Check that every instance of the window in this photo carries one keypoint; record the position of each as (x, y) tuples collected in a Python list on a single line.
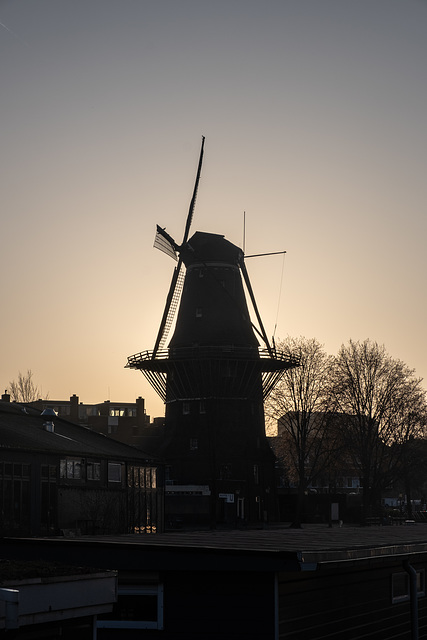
[(185, 408), (202, 407), (137, 607), (93, 471), (194, 444), (71, 468), (256, 474), (400, 586), (114, 472), (144, 477), (15, 498), (240, 508), (199, 312), (168, 478), (48, 499), (117, 412), (225, 471)]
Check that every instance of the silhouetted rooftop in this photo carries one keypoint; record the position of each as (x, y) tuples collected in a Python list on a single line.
[(23, 428)]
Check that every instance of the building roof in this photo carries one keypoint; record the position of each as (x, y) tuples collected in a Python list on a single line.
[(270, 549), (23, 428), (313, 542)]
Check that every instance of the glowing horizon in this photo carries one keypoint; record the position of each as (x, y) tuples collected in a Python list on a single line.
[(315, 125)]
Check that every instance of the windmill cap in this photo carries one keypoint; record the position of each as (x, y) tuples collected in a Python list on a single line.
[(210, 247)]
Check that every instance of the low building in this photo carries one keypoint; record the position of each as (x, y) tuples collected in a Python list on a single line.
[(265, 584), (59, 476)]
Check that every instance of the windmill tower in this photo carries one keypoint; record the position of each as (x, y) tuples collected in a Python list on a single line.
[(213, 377)]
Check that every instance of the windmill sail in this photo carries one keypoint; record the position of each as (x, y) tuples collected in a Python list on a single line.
[(193, 199), (169, 246), (165, 243), (172, 307)]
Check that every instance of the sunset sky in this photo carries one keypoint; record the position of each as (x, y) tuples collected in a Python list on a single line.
[(315, 117)]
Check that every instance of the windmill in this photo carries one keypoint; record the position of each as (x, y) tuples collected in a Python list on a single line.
[(214, 376)]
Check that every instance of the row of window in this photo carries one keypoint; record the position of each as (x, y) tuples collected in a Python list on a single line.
[(80, 469), (14, 470), (347, 482), (186, 407), (65, 410), (225, 473)]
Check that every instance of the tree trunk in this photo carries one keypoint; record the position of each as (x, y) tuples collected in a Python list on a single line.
[(297, 522)]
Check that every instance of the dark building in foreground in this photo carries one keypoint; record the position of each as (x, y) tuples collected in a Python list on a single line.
[(268, 584), (56, 475)]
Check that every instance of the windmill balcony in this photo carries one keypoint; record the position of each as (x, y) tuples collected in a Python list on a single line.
[(223, 371)]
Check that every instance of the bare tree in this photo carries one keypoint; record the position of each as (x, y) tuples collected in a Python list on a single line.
[(383, 406), (24, 389), (301, 404)]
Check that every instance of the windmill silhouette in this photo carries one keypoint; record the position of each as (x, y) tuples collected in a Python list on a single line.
[(214, 376)]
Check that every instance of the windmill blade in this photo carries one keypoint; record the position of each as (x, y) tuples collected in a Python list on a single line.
[(193, 199), (168, 307), (255, 306), (169, 244), (173, 307), (164, 242)]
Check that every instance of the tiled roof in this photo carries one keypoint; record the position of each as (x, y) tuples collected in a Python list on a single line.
[(22, 428)]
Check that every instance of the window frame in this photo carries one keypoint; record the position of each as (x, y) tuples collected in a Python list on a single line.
[(135, 590), (405, 597), (115, 465)]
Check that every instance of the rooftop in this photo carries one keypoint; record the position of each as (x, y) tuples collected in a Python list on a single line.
[(23, 428), (311, 544), (278, 548)]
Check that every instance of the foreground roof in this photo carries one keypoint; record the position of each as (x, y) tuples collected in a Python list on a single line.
[(270, 549), (315, 543)]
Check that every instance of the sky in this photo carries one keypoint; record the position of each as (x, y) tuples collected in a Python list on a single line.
[(314, 113)]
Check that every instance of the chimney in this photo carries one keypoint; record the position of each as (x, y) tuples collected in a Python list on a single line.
[(74, 407), (140, 411), (5, 396)]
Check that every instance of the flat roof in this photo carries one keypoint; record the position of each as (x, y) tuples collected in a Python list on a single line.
[(278, 548)]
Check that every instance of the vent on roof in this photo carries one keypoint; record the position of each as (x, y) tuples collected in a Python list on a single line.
[(49, 414)]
